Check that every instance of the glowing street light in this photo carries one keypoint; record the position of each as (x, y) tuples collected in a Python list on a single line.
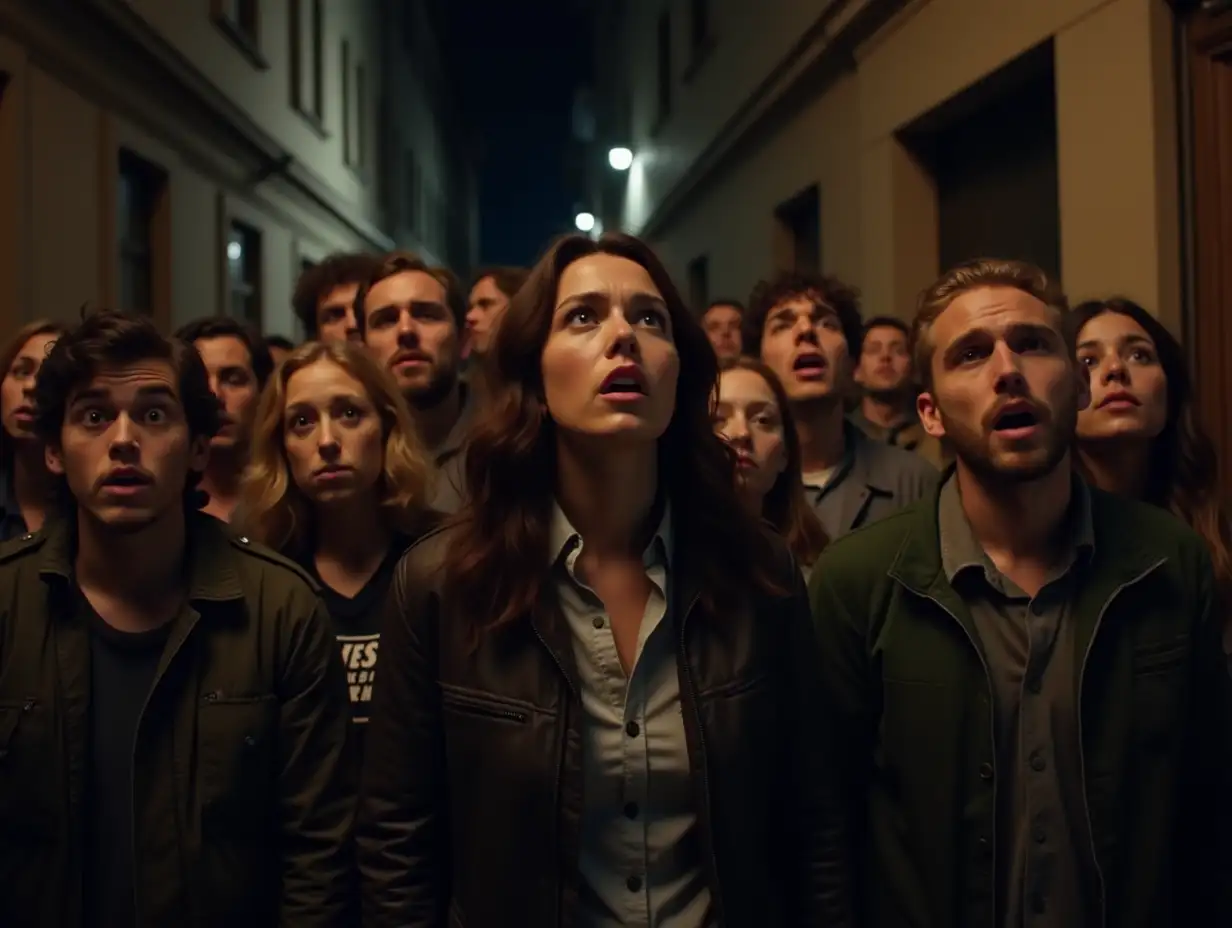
[(621, 159), (584, 221)]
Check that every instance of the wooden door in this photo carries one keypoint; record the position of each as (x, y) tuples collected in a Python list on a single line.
[(1210, 61)]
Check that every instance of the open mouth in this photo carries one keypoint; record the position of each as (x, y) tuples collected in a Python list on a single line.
[(127, 480), (810, 363), (1013, 420), (623, 385)]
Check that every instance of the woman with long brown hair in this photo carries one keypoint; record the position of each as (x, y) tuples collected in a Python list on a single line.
[(597, 702), (754, 418), (337, 480), (1140, 436), (25, 483)]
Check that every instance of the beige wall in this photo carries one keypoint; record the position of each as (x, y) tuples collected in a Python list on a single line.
[(1116, 151), (62, 126)]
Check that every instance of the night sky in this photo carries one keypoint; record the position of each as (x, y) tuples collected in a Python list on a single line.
[(516, 66)]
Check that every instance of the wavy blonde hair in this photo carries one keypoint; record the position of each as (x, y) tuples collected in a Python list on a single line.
[(274, 510)]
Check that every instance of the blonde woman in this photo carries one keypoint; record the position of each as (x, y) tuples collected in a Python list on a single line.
[(337, 480)]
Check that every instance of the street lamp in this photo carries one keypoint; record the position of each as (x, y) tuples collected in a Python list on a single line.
[(584, 221), (621, 159)]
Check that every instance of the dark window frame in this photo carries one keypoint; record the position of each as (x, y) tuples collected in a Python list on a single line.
[(244, 287), (240, 22)]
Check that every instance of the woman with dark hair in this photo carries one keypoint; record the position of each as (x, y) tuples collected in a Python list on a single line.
[(26, 486), (1141, 436), (754, 417), (597, 702)]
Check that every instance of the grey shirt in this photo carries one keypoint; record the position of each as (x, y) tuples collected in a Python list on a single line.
[(872, 481), (1045, 864), (641, 854), (449, 486)]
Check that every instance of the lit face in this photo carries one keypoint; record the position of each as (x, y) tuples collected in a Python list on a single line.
[(749, 419), (336, 315), (885, 364), (1129, 389), (1005, 391), (17, 388), (486, 305), (610, 363), (803, 343), (722, 325), (409, 329), (233, 381), (125, 448), (333, 437)]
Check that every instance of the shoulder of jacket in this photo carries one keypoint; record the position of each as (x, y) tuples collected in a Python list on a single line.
[(270, 559), (871, 547), (22, 546)]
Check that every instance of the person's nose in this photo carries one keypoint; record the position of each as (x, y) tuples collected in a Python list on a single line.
[(408, 331), (1005, 363), (623, 335), (123, 445), (1114, 371)]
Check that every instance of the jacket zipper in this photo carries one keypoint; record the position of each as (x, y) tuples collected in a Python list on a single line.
[(1082, 754), (475, 708), (564, 730), (992, 736), (132, 780), (701, 743)]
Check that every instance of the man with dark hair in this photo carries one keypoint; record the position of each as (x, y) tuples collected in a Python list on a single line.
[(278, 347), (490, 294), (887, 405), (807, 328), (722, 321), (324, 298), (173, 709), (411, 316), (238, 365), (1024, 677)]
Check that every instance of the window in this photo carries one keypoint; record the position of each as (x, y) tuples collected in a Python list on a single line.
[(797, 241), (140, 207), (244, 273), (665, 65), (239, 21), (699, 283), (307, 66), (699, 25)]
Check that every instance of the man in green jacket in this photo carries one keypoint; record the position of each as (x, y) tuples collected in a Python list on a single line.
[(173, 708), (1028, 690)]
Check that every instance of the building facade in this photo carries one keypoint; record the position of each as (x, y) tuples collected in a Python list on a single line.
[(190, 158), (883, 140)]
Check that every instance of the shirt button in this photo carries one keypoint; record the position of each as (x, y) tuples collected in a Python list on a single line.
[(597, 621), (632, 729), (630, 810), (634, 883), (1038, 763), (985, 771)]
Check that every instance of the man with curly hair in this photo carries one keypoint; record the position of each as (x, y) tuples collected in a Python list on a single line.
[(807, 329)]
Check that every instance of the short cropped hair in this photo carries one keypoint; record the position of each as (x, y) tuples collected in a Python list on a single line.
[(226, 327), (789, 285), (963, 278), (403, 262), (508, 280), (337, 270)]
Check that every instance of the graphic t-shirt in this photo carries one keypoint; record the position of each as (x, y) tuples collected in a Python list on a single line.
[(357, 623)]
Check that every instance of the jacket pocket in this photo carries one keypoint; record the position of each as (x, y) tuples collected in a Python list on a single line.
[(237, 741), (27, 771), (467, 702), (1160, 670)]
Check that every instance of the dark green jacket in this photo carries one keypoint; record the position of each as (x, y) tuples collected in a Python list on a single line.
[(914, 725), (243, 788)]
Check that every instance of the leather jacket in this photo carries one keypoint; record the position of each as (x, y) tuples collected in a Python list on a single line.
[(471, 799)]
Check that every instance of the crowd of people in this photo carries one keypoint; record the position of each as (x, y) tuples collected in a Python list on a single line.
[(559, 602)]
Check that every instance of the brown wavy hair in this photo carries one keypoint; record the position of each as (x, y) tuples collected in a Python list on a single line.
[(496, 568), (8, 354), (1183, 476), (274, 510), (786, 507)]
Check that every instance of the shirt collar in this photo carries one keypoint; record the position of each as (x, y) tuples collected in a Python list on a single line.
[(563, 538), (960, 548)]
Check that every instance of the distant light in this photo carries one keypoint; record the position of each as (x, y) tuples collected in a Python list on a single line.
[(235, 251), (584, 221), (621, 159)]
